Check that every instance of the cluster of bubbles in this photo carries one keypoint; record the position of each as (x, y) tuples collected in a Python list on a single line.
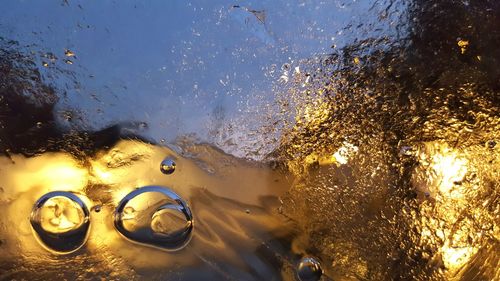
[(153, 216)]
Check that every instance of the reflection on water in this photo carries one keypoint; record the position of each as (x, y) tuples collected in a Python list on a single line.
[(61, 221), (385, 164), (154, 216), (236, 234), (167, 166), (309, 269)]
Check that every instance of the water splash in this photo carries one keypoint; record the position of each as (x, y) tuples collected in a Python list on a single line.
[(60, 221), (155, 216)]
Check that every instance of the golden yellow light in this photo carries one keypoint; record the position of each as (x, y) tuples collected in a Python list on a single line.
[(42, 174), (60, 214), (455, 258), (463, 44), (442, 173), (449, 169)]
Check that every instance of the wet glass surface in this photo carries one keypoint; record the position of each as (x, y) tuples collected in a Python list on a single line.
[(250, 140)]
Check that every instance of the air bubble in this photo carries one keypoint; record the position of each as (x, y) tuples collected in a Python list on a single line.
[(69, 53), (60, 221), (155, 216), (309, 269), (96, 208), (167, 166), (491, 144), (406, 151), (285, 67)]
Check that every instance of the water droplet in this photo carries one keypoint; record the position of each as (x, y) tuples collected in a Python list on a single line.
[(143, 125), (167, 166), (155, 216), (309, 269), (406, 151), (96, 208), (69, 53), (60, 221), (128, 210), (67, 115), (491, 144)]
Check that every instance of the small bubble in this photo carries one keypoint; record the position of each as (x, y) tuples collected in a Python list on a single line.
[(69, 53), (67, 115), (143, 125), (406, 151), (491, 144), (285, 67), (309, 269), (247, 211), (165, 222), (39, 124), (68, 62), (60, 221), (97, 208), (167, 166), (128, 210)]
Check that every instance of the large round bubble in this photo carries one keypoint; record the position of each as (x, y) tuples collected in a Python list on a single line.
[(60, 221), (154, 216)]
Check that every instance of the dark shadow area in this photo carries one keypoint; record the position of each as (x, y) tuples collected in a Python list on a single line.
[(27, 118)]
